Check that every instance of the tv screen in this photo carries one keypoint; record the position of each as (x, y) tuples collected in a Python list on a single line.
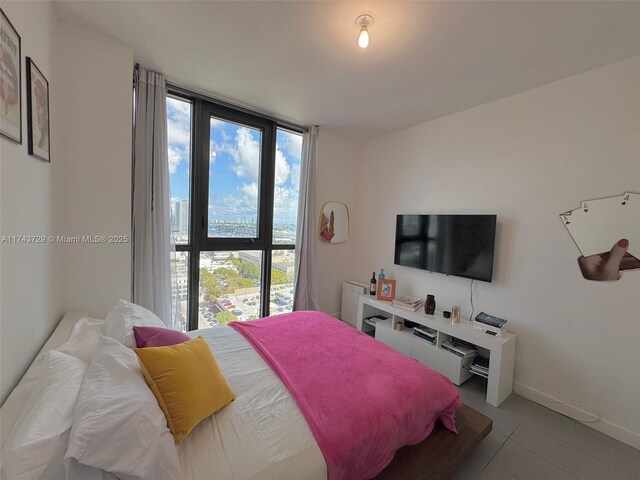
[(460, 245)]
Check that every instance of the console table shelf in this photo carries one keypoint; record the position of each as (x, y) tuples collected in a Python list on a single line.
[(499, 350)]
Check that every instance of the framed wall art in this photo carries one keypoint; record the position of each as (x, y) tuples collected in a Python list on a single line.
[(386, 290), (10, 81), (38, 113), (334, 222)]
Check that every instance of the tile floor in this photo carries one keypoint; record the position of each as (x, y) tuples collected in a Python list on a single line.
[(532, 442)]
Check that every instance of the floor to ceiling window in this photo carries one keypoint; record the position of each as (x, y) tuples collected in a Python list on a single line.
[(234, 180)]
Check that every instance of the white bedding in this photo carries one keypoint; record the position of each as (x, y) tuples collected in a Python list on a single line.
[(16, 400), (261, 434)]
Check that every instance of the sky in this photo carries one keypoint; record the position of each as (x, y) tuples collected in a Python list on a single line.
[(234, 164)]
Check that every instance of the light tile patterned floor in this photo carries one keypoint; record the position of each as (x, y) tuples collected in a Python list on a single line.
[(532, 442)]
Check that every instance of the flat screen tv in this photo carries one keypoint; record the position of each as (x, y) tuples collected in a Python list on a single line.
[(460, 245)]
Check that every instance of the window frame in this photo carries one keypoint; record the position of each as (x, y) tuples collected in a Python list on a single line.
[(202, 109), (266, 176)]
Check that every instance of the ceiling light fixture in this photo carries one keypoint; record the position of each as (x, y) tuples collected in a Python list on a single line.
[(364, 21)]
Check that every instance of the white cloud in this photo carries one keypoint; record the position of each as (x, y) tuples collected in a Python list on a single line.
[(179, 110), (175, 157), (250, 190), (243, 204), (282, 168), (215, 123), (213, 152), (247, 154), (285, 204), (295, 174), (178, 132), (244, 152), (292, 144)]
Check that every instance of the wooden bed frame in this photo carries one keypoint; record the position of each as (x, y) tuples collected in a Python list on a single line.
[(437, 457)]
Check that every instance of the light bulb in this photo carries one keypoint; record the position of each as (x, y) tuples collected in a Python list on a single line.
[(363, 38)]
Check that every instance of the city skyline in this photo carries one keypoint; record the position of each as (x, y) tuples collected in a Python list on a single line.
[(180, 212)]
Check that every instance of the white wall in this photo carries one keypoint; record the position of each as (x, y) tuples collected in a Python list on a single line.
[(85, 190), (93, 167), (336, 176), (526, 158), (30, 286)]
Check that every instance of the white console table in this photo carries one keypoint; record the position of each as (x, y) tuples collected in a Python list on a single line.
[(500, 351)]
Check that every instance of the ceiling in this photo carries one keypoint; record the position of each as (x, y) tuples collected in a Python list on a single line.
[(300, 60)]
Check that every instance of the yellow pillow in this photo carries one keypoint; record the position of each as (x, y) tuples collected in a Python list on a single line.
[(187, 383)]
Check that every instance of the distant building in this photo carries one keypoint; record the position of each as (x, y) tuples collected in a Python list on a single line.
[(179, 280), (179, 216), (283, 260)]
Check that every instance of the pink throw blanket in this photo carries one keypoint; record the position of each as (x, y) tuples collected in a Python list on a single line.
[(361, 399)]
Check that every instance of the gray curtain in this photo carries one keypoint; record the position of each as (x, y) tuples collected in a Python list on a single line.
[(306, 290), (151, 211)]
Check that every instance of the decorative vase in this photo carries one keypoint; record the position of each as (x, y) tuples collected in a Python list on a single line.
[(455, 315), (430, 305)]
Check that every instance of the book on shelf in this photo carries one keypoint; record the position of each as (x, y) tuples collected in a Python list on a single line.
[(477, 371), (480, 371), (462, 343), (490, 320), (424, 337), (407, 302), (481, 363), (426, 330), (480, 366), (376, 318), (459, 349), (410, 308), (426, 333)]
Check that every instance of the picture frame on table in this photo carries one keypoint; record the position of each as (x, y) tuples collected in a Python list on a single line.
[(10, 81), (386, 290), (39, 141)]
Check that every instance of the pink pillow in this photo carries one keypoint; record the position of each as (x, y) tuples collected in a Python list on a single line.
[(158, 337)]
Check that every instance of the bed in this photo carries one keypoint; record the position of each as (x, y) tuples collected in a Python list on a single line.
[(264, 434)]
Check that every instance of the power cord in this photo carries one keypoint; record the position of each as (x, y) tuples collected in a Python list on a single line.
[(580, 406), (472, 307)]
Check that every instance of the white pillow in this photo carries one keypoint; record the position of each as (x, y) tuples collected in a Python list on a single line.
[(123, 317), (118, 425), (36, 445), (81, 343), (83, 340)]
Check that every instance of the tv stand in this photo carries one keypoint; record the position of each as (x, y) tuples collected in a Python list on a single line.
[(500, 351)]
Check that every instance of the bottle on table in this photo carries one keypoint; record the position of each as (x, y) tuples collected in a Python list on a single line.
[(381, 276), (372, 284)]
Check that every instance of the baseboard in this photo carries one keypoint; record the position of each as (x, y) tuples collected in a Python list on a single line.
[(576, 413)]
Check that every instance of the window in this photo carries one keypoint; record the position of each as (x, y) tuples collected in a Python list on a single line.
[(179, 113), (234, 211)]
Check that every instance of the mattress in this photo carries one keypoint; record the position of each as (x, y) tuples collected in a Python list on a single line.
[(262, 434)]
